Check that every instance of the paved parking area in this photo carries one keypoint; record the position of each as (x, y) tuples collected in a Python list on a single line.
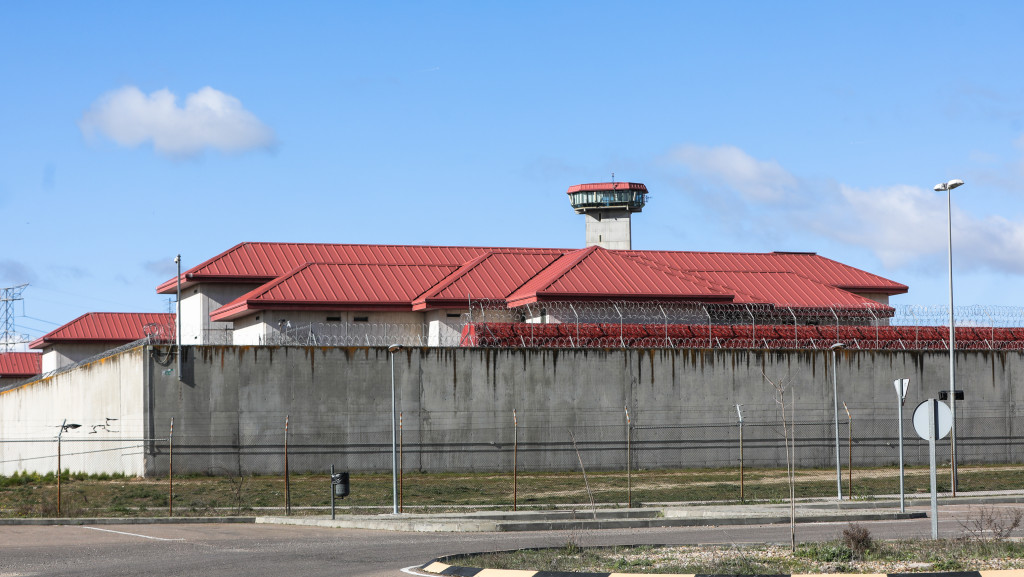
[(271, 550)]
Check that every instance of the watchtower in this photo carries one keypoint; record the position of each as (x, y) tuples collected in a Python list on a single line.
[(607, 207)]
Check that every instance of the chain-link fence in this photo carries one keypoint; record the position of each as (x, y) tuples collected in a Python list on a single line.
[(510, 465)]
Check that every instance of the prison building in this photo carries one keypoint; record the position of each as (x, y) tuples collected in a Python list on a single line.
[(255, 290), (94, 333)]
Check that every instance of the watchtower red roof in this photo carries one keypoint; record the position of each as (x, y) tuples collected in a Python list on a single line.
[(597, 186), (20, 364)]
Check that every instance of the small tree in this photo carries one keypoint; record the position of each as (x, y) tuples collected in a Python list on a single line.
[(789, 439)]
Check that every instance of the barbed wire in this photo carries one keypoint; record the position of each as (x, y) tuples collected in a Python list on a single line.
[(108, 353), (640, 312), (648, 324), (356, 334)]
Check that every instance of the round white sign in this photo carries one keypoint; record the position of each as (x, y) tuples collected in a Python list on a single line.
[(943, 419)]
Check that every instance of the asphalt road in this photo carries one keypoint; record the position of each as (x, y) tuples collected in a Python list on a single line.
[(275, 550)]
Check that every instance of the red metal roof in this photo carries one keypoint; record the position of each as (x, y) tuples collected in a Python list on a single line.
[(598, 186), (522, 274), (260, 262), (785, 289), (808, 265), (107, 327), (20, 364), (334, 286), (490, 276), (597, 273)]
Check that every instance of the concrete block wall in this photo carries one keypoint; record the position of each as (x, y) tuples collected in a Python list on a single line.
[(230, 404), (457, 406)]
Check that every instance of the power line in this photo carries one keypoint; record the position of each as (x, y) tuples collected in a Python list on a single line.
[(40, 320)]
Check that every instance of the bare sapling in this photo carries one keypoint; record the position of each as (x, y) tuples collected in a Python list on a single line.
[(788, 436)]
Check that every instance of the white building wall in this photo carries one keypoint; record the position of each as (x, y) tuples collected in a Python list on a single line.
[(104, 397), (327, 328), (445, 327), (197, 302), (60, 355)]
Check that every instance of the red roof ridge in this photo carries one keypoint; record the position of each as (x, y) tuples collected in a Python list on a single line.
[(663, 289), (295, 298), (692, 276), (865, 288), (187, 276), (420, 302), (556, 270)]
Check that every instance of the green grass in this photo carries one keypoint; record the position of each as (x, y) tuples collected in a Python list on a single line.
[(33, 494)]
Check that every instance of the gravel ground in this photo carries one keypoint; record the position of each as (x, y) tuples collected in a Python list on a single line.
[(652, 559)]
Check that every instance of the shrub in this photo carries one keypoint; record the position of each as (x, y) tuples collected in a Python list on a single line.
[(857, 539)]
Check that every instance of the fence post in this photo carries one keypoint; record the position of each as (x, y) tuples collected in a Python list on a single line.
[(796, 333), (515, 460), (401, 465), (287, 477), (740, 414), (849, 419), (577, 316), (170, 471), (753, 327), (668, 343), (622, 342), (58, 473), (710, 343), (629, 460)]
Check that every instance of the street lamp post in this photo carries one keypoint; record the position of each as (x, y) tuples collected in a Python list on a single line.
[(948, 188), (394, 432), (177, 317), (63, 427), (835, 400)]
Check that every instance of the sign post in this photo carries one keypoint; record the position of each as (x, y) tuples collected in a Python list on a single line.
[(901, 394), (933, 421)]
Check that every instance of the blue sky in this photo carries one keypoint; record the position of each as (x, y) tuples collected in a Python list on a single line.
[(132, 132)]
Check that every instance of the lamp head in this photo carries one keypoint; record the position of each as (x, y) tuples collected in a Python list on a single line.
[(945, 186), (837, 346), (394, 348)]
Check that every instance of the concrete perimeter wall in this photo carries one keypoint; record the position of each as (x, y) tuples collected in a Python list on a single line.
[(457, 404), (104, 397)]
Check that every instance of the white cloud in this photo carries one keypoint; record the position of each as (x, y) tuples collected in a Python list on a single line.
[(209, 119), (758, 180), (899, 224)]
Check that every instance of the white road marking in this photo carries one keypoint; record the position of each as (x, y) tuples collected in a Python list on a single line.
[(410, 572), (130, 534)]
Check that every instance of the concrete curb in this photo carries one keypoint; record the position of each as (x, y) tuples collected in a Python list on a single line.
[(561, 520), (127, 521), (439, 567)]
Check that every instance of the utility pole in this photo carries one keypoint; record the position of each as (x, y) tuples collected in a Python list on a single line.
[(8, 337)]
